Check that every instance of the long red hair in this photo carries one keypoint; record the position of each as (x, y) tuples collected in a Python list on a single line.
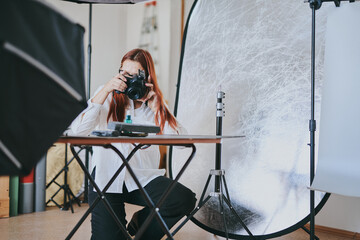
[(162, 114)]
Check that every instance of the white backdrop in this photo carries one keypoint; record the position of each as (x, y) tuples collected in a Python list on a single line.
[(339, 142)]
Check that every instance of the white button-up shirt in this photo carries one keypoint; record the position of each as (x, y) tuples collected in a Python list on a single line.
[(145, 163)]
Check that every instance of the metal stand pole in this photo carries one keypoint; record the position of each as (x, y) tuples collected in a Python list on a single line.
[(89, 51), (219, 115), (314, 5), (88, 149)]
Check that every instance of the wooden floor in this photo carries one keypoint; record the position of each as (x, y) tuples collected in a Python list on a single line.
[(56, 224)]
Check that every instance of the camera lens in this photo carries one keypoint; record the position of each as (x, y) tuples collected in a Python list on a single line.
[(136, 88), (134, 93)]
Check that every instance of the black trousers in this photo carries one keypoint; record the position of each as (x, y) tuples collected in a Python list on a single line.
[(180, 201)]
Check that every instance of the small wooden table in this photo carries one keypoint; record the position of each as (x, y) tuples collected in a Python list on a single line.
[(106, 142)]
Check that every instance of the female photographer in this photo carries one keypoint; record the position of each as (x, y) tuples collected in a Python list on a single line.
[(109, 104)]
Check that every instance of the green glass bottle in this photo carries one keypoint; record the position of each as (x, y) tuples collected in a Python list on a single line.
[(128, 117)]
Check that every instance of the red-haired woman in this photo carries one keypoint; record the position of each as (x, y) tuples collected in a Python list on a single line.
[(106, 106)]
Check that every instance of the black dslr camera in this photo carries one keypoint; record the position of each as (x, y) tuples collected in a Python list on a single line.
[(136, 88)]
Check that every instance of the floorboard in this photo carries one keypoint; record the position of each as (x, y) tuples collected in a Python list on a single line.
[(56, 224)]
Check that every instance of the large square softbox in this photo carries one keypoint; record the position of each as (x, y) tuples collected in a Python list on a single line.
[(42, 81)]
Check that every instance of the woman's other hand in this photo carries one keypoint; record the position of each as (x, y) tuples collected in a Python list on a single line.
[(151, 98)]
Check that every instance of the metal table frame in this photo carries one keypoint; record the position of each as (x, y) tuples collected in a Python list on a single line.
[(106, 142)]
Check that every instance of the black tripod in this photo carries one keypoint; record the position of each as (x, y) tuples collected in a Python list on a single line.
[(69, 196), (220, 182)]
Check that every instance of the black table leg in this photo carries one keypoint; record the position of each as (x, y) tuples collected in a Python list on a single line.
[(101, 194), (155, 208)]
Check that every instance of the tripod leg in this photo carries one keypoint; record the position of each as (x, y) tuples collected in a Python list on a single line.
[(227, 200), (226, 188), (70, 200), (65, 206), (238, 217), (200, 204), (52, 200), (221, 197), (73, 197), (191, 215)]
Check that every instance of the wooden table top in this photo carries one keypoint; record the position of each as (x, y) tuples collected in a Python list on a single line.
[(151, 139)]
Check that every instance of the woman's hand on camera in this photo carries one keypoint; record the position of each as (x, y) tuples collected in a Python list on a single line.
[(151, 98), (118, 82)]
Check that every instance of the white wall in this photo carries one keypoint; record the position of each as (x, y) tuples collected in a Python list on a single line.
[(116, 29), (135, 14), (169, 23), (108, 36), (108, 41), (340, 212)]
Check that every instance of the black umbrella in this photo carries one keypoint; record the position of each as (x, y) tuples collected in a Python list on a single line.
[(42, 81)]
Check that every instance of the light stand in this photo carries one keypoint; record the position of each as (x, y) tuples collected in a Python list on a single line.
[(220, 182), (89, 50), (88, 150), (314, 5), (219, 115)]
